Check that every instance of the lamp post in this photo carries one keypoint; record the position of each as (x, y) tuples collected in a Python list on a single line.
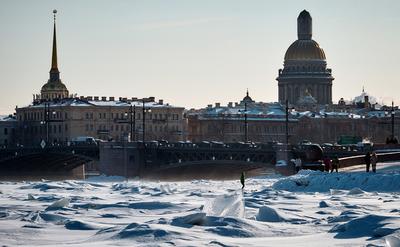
[(148, 110), (132, 111), (246, 126), (392, 113), (287, 122)]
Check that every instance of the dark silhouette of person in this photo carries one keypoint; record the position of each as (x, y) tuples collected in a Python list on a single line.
[(327, 163), (367, 159), (335, 164), (242, 180), (374, 160)]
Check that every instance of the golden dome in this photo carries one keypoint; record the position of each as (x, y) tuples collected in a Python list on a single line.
[(305, 50), (54, 86)]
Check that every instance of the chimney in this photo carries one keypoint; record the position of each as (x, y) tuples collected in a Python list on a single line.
[(82, 97), (111, 98), (217, 105), (103, 98), (151, 99), (89, 98), (209, 106), (134, 99), (96, 98), (120, 98), (124, 99), (161, 102), (230, 104)]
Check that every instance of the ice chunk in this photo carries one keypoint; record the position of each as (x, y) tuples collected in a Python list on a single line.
[(226, 206), (356, 191), (59, 204), (392, 241), (268, 214), (31, 197), (323, 204)]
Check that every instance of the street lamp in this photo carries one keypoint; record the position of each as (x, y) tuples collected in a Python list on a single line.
[(132, 121), (148, 110), (246, 126)]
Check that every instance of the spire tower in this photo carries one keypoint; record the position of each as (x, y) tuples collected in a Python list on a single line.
[(54, 72), (54, 88)]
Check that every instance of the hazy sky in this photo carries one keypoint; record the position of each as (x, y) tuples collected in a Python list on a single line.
[(192, 53)]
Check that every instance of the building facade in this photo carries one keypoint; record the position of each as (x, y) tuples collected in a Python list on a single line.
[(305, 71), (266, 122), (8, 125), (61, 121)]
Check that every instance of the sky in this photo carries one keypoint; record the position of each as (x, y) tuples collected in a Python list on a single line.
[(193, 53)]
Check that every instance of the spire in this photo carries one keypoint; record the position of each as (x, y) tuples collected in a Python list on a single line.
[(247, 92), (54, 72), (363, 89), (304, 25)]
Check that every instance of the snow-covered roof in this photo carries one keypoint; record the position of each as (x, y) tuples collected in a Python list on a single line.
[(7, 118), (88, 103)]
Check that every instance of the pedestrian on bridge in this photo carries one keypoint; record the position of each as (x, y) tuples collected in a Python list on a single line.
[(335, 164), (297, 164), (327, 163), (367, 160), (374, 160), (242, 178)]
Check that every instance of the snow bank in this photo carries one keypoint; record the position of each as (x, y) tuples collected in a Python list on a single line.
[(357, 182), (226, 206), (367, 226)]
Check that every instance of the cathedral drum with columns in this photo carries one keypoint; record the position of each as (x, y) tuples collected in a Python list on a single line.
[(304, 72)]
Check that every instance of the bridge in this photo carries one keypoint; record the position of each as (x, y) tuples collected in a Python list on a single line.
[(55, 162), (162, 160), (154, 160)]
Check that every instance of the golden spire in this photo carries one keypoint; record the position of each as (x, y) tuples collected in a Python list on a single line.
[(54, 54)]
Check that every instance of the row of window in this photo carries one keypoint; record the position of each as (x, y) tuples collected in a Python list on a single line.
[(40, 116), (250, 128), (126, 115)]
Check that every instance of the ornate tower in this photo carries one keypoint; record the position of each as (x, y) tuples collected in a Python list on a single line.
[(54, 88), (304, 68)]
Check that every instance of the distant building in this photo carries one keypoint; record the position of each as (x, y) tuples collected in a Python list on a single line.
[(305, 71), (58, 118), (8, 125), (265, 122)]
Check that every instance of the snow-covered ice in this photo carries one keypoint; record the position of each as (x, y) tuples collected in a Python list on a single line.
[(312, 208)]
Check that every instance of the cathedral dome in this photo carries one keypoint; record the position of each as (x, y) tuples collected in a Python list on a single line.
[(304, 49)]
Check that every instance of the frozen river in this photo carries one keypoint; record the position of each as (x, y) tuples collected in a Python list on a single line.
[(352, 208)]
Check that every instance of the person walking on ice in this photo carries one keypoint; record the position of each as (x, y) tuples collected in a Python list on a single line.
[(242, 180), (374, 160)]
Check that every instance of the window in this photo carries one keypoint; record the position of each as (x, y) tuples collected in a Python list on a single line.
[(59, 128), (87, 127), (5, 131), (65, 115), (116, 127)]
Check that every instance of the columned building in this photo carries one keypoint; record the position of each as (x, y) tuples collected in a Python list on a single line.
[(305, 71)]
